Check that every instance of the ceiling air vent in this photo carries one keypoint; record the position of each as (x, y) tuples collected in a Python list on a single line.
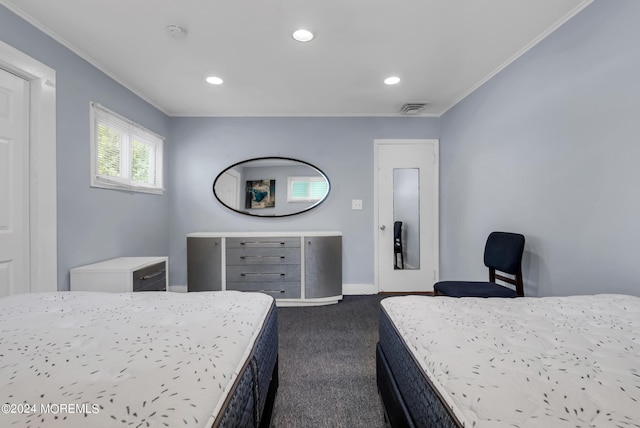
[(412, 108)]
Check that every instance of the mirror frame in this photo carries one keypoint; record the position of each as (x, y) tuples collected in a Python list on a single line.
[(298, 161)]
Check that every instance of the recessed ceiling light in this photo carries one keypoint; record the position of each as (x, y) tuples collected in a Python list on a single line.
[(303, 35), (392, 80), (214, 80)]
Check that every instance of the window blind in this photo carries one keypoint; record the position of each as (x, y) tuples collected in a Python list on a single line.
[(306, 189), (125, 154)]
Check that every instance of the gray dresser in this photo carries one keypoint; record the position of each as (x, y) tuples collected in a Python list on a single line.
[(295, 268)]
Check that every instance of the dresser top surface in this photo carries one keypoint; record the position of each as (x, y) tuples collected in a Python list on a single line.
[(261, 234), (120, 264)]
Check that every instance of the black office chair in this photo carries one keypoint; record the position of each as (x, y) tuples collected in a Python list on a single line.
[(503, 253), (397, 245)]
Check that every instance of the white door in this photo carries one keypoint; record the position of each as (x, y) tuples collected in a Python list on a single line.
[(228, 189), (407, 210), (14, 184)]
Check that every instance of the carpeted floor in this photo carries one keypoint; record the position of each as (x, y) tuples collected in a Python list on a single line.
[(327, 365)]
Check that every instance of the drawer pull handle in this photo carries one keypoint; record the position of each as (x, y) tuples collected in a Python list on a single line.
[(153, 275), (260, 273), (261, 257), (272, 291), (261, 243)]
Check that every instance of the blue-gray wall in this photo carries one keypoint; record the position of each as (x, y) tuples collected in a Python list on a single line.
[(341, 147), (93, 224), (550, 147)]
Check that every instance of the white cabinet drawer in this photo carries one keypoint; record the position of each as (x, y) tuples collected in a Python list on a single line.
[(151, 278), (122, 275)]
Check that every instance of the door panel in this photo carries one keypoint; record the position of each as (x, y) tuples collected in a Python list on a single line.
[(407, 215), (228, 189), (14, 185)]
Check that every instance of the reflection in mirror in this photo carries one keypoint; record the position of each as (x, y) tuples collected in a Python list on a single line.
[(271, 187), (406, 218)]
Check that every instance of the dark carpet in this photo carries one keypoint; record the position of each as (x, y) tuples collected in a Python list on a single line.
[(327, 365)]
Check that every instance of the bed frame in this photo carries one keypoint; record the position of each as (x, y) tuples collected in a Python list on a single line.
[(407, 394), (250, 402)]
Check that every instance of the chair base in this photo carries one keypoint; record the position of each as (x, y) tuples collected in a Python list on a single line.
[(472, 289)]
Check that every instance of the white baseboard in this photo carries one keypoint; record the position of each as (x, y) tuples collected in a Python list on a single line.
[(351, 289), (347, 289)]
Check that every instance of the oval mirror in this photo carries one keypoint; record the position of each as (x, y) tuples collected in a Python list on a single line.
[(271, 187)]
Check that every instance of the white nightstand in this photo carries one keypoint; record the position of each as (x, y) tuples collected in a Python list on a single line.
[(122, 275)]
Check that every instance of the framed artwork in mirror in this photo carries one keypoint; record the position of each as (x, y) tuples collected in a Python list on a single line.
[(260, 194)]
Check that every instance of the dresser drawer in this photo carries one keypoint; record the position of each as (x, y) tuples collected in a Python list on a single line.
[(263, 256), (151, 278), (263, 273), (263, 242), (279, 290)]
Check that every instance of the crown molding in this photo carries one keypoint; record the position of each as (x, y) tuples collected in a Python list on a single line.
[(49, 32), (521, 52)]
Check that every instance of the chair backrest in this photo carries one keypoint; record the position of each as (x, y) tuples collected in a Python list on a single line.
[(503, 252), (397, 235)]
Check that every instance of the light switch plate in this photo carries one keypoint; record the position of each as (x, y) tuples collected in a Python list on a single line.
[(356, 204)]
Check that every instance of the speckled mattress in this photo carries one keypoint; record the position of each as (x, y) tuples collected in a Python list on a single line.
[(526, 362), (154, 359)]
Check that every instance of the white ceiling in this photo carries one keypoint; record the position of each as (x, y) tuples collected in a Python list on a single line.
[(441, 49)]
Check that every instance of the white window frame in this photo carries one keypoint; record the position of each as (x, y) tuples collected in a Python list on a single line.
[(312, 179), (130, 129)]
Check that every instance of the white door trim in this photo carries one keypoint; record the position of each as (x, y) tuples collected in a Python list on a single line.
[(43, 259), (376, 222)]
